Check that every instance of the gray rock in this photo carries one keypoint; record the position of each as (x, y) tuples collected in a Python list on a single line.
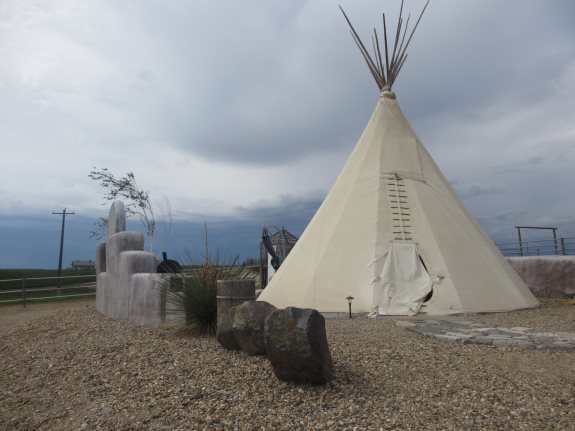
[(225, 333), (296, 345), (248, 326)]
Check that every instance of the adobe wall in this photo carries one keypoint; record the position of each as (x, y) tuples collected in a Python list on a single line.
[(127, 284), (547, 276)]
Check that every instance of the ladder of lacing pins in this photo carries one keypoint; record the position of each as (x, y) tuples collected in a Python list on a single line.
[(400, 212)]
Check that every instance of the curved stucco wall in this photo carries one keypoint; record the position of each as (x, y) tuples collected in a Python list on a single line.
[(547, 276)]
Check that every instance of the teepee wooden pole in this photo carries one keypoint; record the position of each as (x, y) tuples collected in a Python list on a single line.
[(369, 63), (358, 40), (402, 60), (364, 52), (386, 75), (402, 40), (397, 33), (375, 54), (383, 73), (386, 48), (415, 27)]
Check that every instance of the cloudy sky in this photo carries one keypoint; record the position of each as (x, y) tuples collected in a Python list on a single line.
[(243, 113)]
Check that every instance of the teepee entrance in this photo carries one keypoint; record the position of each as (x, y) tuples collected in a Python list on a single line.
[(402, 284)]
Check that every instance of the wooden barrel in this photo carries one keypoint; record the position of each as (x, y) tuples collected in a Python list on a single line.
[(233, 292)]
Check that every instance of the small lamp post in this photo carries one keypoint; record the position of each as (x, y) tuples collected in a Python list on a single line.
[(349, 299)]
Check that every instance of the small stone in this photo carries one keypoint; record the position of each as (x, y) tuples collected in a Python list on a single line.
[(107, 410)]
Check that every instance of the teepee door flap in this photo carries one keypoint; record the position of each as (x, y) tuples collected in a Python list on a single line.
[(404, 282)]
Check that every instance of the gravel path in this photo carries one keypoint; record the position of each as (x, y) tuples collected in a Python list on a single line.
[(13, 316), (77, 369)]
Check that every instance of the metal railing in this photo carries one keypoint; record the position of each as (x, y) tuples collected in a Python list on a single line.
[(28, 292), (547, 247)]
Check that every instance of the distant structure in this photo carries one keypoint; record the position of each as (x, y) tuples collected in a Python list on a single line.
[(273, 251), (83, 264)]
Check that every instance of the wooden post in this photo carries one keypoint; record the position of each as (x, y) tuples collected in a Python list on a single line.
[(520, 243), (233, 292), (563, 246), (24, 292), (555, 240)]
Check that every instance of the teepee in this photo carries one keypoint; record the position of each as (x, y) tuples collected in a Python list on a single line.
[(392, 233)]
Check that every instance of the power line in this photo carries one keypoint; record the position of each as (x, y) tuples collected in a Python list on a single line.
[(63, 214)]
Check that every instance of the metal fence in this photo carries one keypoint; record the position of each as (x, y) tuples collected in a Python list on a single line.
[(37, 288), (547, 247)]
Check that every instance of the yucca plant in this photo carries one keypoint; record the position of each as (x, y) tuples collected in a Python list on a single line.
[(195, 300)]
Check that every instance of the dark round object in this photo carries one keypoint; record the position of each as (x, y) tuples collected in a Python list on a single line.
[(169, 266)]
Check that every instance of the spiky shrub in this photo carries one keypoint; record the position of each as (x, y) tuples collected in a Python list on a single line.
[(194, 301)]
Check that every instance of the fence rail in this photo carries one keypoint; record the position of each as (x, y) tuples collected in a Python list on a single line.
[(564, 246), (27, 292)]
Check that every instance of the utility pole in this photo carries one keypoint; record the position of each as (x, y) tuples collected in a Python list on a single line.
[(63, 214)]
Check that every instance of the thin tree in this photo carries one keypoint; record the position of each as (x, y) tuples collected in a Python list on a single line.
[(136, 200), (100, 227)]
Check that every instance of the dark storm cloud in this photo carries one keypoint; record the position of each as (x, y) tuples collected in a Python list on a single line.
[(472, 55), (238, 233), (518, 167), (285, 210), (276, 97), (291, 211), (266, 97), (470, 191)]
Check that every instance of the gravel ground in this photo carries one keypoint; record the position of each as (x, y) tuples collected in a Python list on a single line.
[(77, 369), (553, 315)]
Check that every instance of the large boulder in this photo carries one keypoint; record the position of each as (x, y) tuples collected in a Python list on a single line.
[(225, 333), (248, 326), (296, 345)]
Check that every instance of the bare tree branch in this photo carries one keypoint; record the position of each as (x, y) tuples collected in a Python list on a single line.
[(136, 200)]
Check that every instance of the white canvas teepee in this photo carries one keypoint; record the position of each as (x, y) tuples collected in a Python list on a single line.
[(392, 233)]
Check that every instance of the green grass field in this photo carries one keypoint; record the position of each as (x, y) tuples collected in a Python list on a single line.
[(37, 288)]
